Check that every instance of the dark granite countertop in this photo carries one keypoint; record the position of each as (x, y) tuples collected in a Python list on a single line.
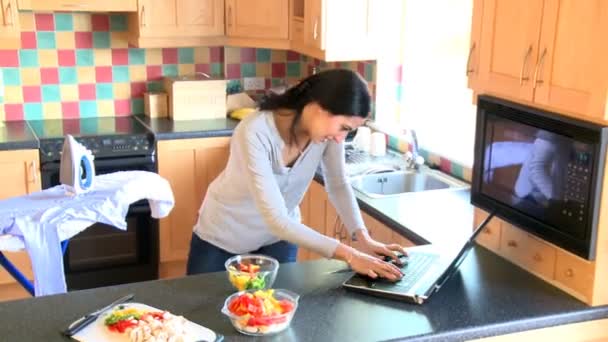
[(166, 129), (17, 135), (487, 297)]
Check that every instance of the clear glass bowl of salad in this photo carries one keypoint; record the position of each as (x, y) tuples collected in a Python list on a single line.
[(261, 312), (251, 271)]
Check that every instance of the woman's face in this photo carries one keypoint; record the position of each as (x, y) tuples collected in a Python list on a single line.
[(323, 125)]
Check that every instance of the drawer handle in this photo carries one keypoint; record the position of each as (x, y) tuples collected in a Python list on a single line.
[(537, 257), (487, 231), (512, 243), (569, 273)]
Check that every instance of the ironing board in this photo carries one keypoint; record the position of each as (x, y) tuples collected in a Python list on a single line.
[(43, 222)]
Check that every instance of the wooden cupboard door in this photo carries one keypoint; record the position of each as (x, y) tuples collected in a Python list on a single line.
[(303, 253), (490, 235), (318, 211), (257, 19), (472, 67), (509, 46), (177, 164), (201, 18), (79, 5), (571, 73), (157, 18), (211, 159), (314, 24), (10, 20), (21, 167)]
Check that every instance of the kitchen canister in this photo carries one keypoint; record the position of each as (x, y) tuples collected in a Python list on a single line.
[(362, 139), (378, 144)]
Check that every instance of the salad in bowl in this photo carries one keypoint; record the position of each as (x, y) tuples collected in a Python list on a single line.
[(251, 271), (261, 312)]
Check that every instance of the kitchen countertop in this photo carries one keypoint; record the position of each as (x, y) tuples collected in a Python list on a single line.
[(17, 135), (487, 297), (166, 129)]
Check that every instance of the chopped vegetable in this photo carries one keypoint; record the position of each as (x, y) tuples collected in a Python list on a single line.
[(247, 277)]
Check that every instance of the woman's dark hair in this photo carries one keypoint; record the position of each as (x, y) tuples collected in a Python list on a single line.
[(338, 91)]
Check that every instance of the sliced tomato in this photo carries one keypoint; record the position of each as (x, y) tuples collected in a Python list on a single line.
[(121, 326), (285, 305), (257, 321)]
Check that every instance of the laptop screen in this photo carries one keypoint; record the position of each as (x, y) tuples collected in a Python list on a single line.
[(462, 254)]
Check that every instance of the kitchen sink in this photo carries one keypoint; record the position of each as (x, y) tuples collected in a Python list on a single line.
[(400, 182)]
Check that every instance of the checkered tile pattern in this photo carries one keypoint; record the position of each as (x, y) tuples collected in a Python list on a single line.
[(80, 65)]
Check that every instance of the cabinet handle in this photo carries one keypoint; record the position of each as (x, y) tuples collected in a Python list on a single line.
[(33, 171), (523, 66), (512, 243), (314, 29), (229, 23), (537, 257), (569, 273), (9, 15), (469, 69), (487, 231), (143, 16), (539, 66)]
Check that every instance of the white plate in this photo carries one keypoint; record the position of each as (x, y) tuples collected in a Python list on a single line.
[(98, 332)]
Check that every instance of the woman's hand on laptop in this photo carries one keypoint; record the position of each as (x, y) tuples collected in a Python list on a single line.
[(378, 249), (373, 267)]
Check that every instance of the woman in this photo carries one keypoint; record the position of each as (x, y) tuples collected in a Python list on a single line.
[(253, 205)]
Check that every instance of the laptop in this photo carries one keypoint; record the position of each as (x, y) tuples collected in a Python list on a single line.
[(425, 270)]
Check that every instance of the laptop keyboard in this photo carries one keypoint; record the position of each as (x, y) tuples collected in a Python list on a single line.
[(416, 267)]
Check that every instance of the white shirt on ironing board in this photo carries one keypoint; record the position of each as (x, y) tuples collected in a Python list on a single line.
[(39, 221)]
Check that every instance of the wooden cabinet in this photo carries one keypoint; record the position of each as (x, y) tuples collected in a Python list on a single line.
[(189, 165), (472, 68), (549, 53), (338, 30), (567, 271), (10, 34), (259, 23), (380, 232), (175, 23), (490, 235), (79, 5), (21, 172)]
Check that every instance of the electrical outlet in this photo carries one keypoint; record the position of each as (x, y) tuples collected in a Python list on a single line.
[(254, 83)]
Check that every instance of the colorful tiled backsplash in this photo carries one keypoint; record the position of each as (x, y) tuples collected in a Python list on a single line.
[(80, 65)]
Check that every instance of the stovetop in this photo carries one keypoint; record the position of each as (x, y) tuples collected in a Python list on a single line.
[(106, 137)]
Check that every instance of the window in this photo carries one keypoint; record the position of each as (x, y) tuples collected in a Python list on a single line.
[(430, 93)]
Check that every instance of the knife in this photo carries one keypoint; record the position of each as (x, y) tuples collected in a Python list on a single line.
[(83, 321)]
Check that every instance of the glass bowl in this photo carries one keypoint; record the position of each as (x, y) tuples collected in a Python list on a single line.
[(251, 271), (284, 302)]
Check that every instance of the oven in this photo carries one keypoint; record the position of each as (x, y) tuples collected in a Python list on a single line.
[(103, 255)]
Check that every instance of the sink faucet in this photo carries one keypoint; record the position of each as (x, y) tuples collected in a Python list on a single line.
[(413, 159)]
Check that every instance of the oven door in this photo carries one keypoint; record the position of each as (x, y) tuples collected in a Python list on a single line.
[(103, 255)]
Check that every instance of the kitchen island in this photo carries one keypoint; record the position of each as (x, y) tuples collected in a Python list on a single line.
[(487, 297)]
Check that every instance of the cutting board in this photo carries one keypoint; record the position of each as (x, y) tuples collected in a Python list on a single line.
[(98, 332)]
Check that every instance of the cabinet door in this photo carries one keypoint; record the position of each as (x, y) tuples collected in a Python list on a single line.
[(509, 46), (22, 169), (9, 31), (472, 68), (189, 165), (314, 24), (571, 72), (180, 18), (257, 18), (79, 5)]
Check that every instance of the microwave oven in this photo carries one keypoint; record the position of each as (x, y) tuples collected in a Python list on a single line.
[(541, 171)]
